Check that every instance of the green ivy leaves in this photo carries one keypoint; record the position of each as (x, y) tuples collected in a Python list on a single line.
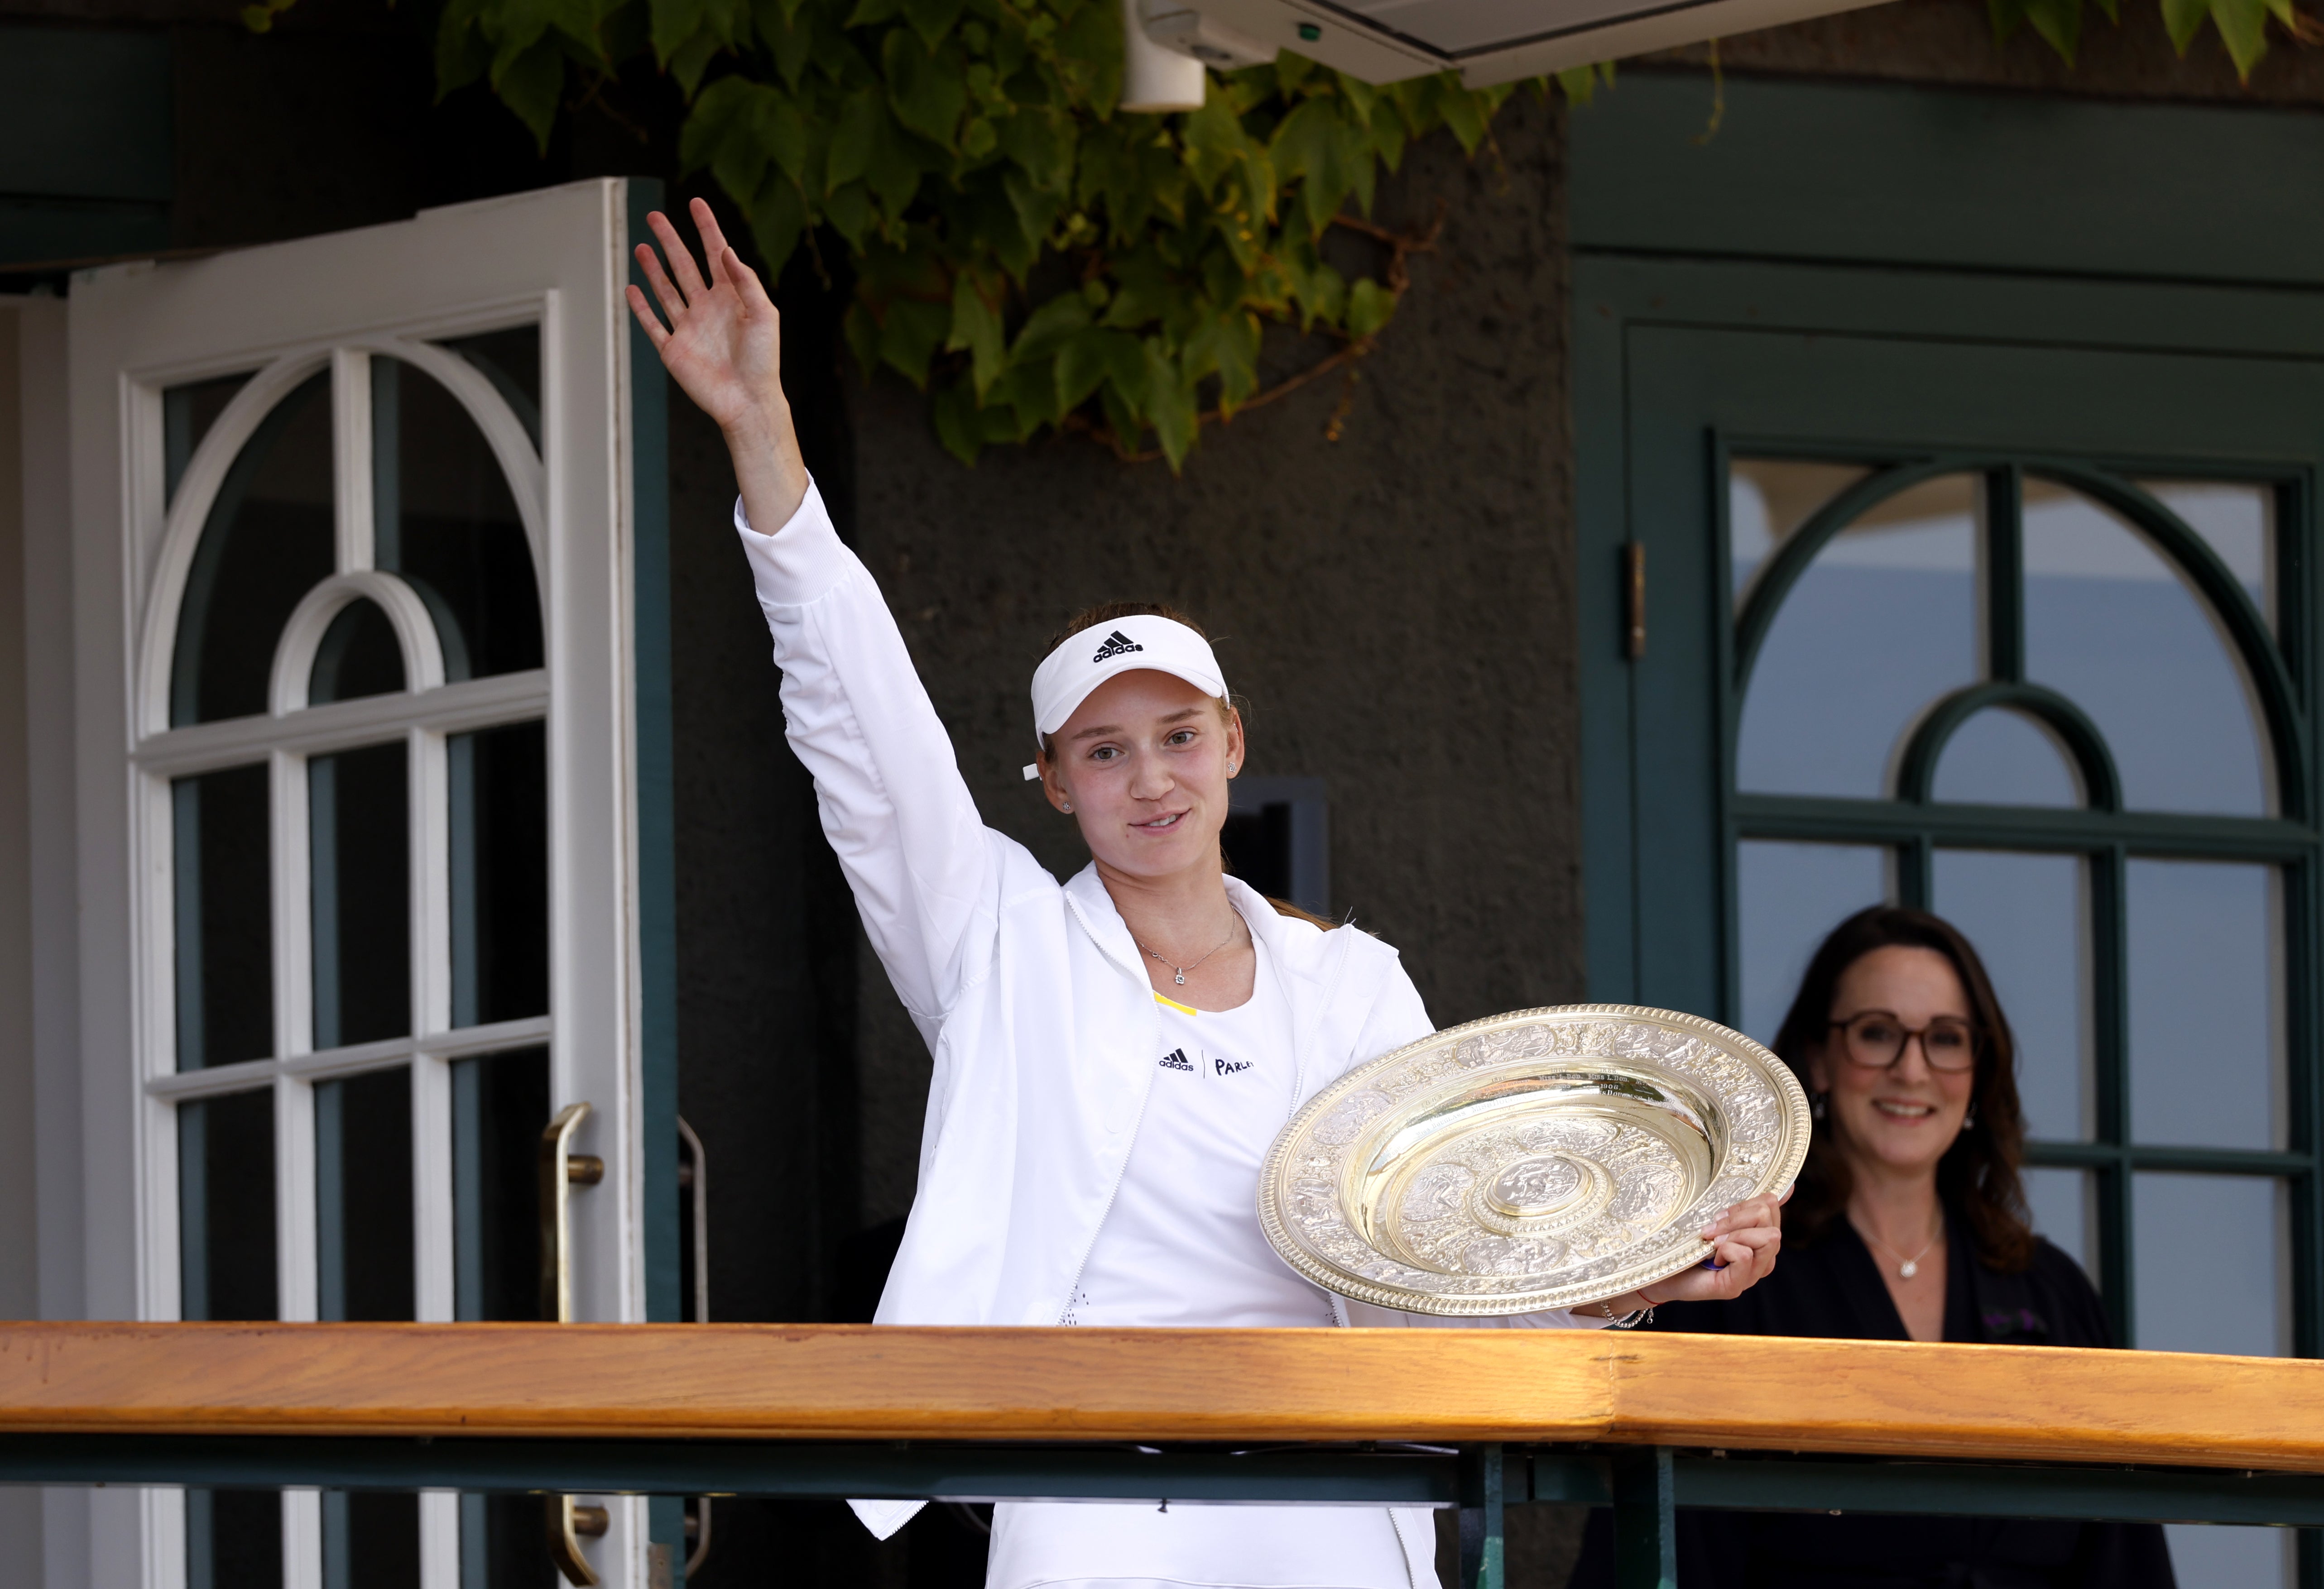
[(2241, 24), (1028, 254)]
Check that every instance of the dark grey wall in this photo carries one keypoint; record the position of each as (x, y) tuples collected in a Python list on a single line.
[(1397, 605)]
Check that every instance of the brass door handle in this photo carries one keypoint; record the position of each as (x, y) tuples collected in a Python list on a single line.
[(697, 1536), (560, 1171), (694, 1178), (568, 1524)]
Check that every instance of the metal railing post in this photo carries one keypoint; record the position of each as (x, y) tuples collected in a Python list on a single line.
[(1482, 1504), (1646, 1518)]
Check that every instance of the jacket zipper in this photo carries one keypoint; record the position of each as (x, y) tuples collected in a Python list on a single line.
[(1121, 1172), (1119, 1175)]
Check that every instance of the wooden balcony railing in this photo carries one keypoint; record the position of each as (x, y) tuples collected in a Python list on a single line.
[(1478, 1418)]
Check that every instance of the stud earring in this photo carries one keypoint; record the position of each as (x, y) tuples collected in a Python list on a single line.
[(1817, 1107), (1968, 1119), (1067, 805), (1229, 769)]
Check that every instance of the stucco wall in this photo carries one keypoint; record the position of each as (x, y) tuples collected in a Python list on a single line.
[(1396, 604)]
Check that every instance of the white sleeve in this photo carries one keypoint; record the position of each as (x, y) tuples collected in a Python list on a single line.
[(886, 785)]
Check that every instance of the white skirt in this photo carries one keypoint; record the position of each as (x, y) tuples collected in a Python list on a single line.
[(1140, 1546)]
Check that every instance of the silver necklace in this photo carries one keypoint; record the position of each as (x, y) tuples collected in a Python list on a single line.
[(1906, 1268), (1191, 965)]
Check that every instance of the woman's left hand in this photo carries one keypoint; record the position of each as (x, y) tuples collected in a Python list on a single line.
[(1745, 1241)]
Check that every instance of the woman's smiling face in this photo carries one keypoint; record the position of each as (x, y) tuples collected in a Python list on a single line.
[(1906, 1115), (1143, 766)]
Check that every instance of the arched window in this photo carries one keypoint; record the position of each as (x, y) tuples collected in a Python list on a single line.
[(2047, 700), (343, 718)]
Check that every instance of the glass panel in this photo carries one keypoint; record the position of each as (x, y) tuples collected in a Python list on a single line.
[(444, 521), (500, 1102), (1879, 625), (1790, 898), (2060, 1201), (1767, 498), (267, 541), (510, 360), (2028, 916), (233, 1539), (370, 1539), (225, 1207), (360, 656), (359, 844), (363, 1197), (187, 412), (2206, 1005), (500, 875), (2210, 1259), (2238, 520), (2005, 758), (223, 918), (2207, 1557), (500, 1544), (2117, 629)]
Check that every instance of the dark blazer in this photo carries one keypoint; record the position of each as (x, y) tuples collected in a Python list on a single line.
[(1830, 1288)]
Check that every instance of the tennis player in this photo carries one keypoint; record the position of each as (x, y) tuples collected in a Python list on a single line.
[(1114, 1053)]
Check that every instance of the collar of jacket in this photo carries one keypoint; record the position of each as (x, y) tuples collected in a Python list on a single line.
[(1310, 961)]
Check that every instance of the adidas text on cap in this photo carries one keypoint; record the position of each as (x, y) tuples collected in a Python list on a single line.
[(1083, 661)]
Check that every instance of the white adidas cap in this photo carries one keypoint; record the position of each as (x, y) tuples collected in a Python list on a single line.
[(1083, 661)]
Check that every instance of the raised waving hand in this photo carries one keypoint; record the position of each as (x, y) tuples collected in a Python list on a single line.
[(723, 344)]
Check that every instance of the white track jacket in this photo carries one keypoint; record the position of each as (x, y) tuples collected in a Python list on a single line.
[(1029, 994)]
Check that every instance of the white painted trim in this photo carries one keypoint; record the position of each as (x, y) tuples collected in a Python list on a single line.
[(558, 257), (355, 1060), (303, 631), (344, 725)]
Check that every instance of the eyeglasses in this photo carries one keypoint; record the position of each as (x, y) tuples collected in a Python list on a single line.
[(1876, 1040)]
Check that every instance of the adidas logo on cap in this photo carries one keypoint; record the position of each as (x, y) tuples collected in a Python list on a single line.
[(1116, 644)]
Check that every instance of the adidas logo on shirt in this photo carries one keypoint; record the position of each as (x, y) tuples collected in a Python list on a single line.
[(1176, 1060), (1117, 644)]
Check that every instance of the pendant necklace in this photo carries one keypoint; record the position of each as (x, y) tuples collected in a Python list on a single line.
[(1191, 965), (1906, 1268)]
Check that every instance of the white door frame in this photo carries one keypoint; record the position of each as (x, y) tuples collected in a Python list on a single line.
[(559, 255)]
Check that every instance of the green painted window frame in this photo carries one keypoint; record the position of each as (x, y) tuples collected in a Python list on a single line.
[(1912, 826)]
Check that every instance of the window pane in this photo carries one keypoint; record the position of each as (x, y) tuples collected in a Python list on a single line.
[(359, 657), (2204, 1557), (2004, 758), (2117, 629), (187, 412), (510, 360), (2206, 1005), (500, 875), (359, 863), (225, 1207), (2238, 520), (233, 1539), (1768, 499), (267, 541), (2028, 916), (370, 1539), (1879, 625), (499, 1103), (2060, 1201), (1791, 897), (444, 521), (222, 916), (363, 1197), (2210, 1259)]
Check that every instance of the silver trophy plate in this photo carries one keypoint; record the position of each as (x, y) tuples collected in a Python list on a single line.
[(1529, 1161)]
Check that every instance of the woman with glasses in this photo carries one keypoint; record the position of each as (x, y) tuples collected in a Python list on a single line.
[(1908, 1223)]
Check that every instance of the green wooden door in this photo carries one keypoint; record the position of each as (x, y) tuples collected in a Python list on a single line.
[(1995, 596)]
